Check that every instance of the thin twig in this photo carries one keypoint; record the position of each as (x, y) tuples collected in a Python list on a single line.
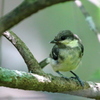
[(88, 18)]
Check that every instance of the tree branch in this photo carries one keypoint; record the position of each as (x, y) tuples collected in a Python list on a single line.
[(28, 57), (24, 10), (49, 83), (88, 18)]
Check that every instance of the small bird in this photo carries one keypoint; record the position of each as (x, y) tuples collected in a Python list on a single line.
[(66, 54)]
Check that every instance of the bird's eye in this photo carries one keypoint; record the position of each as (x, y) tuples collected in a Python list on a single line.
[(63, 38)]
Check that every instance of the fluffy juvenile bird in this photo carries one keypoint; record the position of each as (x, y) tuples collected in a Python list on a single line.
[(67, 53)]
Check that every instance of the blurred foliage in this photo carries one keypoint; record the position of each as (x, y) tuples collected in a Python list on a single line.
[(96, 76)]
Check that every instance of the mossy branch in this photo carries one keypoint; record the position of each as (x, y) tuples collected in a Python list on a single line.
[(24, 10), (28, 57), (49, 83)]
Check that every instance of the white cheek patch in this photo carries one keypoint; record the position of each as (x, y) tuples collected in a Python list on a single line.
[(73, 43), (65, 42)]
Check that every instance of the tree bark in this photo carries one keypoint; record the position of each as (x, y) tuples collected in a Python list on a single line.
[(24, 10), (49, 83)]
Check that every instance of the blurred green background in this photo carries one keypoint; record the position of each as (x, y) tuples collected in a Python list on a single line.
[(39, 29)]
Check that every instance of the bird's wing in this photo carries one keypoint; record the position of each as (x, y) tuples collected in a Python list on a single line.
[(55, 52)]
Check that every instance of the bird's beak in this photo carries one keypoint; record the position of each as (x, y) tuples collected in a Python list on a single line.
[(54, 41)]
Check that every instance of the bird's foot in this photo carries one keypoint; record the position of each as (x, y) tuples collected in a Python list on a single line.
[(76, 77), (79, 80)]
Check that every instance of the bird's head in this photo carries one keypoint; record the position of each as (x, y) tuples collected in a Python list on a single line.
[(66, 37)]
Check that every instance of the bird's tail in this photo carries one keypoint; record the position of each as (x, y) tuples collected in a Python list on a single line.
[(44, 62)]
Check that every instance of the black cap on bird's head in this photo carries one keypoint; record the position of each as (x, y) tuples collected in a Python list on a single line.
[(65, 35)]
